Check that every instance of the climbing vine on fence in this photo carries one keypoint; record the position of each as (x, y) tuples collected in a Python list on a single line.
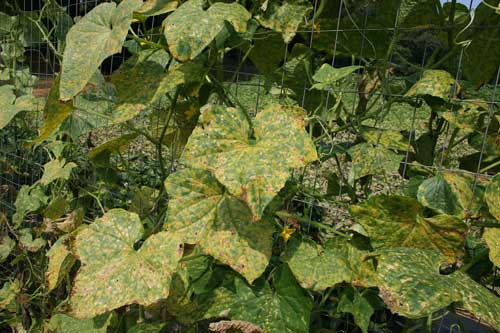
[(167, 202)]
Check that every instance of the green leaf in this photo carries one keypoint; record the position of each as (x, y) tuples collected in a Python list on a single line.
[(61, 259), (29, 199), (147, 328), (204, 213), (26, 241), (56, 169), (492, 196), (394, 221), (61, 323), (98, 35), (412, 286), (467, 116), (190, 29), (492, 238), (370, 160), (386, 138), (359, 305), (117, 274), (10, 105), (157, 7), (136, 95), (340, 260), (449, 193), (55, 113), (285, 17), (6, 246), (327, 76), (101, 154), (8, 294), (285, 308), (253, 170), (434, 84)]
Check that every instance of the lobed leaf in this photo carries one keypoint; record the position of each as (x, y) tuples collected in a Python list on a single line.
[(117, 274), (253, 170), (98, 35), (395, 221), (204, 213), (190, 29)]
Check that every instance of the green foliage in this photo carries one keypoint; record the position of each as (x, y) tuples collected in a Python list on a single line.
[(168, 198)]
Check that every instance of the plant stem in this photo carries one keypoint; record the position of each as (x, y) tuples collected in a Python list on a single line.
[(491, 166), (302, 219)]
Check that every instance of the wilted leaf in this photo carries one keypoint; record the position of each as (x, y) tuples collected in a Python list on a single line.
[(117, 274), (56, 169), (54, 114), (412, 286), (253, 170), (327, 76), (434, 84), (101, 154), (96, 36), (394, 221), (284, 309), (492, 238), (8, 294), (27, 242), (285, 17), (61, 323), (10, 105), (61, 259), (340, 260), (449, 193), (492, 196), (370, 160), (204, 213), (190, 28), (6, 246)]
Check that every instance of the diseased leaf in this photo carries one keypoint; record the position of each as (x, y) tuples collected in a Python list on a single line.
[(386, 138), (340, 260), (10, 105), (147, 328), (117, 274), (285, 17), (492, 238), (8, 294), (54, 114), (326, 76), (492, 196), (369, 160), (467, 116), (283, 309), (61, 259), (395, 221), (412, 286), (157, 7), (98, 35), (204, 213), (253, 170), (190, 29), (358, 305), (449, 193), (26, 241), (101, 154), (6, 246), (136, 95), (434, 84), (29, 199), (56, 169), (61, 323)]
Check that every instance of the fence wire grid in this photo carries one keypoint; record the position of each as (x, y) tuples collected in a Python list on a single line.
[(251, 88)]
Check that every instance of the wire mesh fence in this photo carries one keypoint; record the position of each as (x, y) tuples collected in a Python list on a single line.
[(375, 37)]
